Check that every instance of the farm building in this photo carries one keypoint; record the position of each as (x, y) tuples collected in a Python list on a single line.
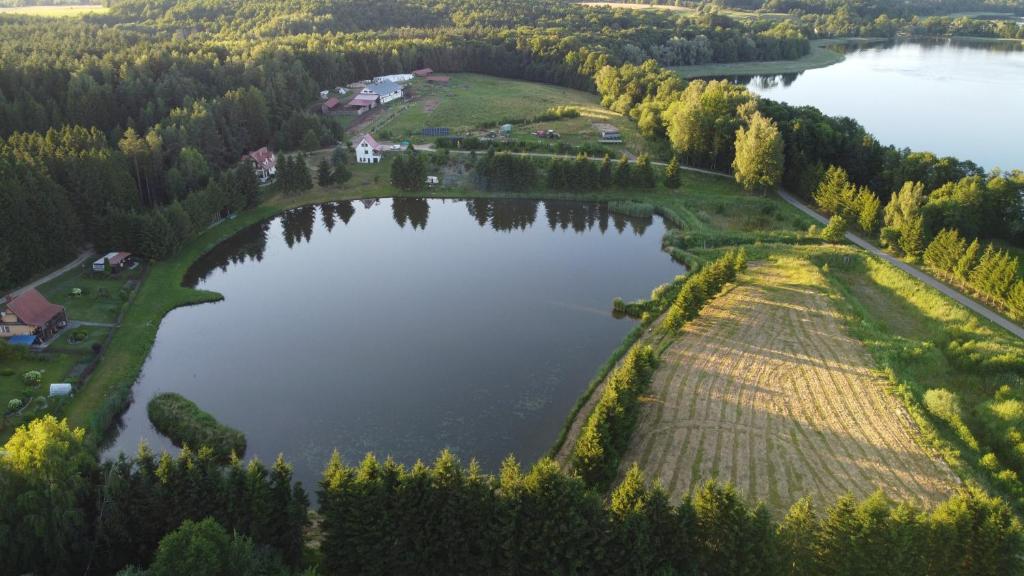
[(423, 72), (368, 151), (331, 105), (435, 79), (60, 389), (30, 313), (608, 132), (363, 103), (387, 91), (264, 163), (116, 260), (394, 78)]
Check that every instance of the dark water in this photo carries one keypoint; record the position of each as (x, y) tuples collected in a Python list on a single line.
[(403, 328), (953, 98)]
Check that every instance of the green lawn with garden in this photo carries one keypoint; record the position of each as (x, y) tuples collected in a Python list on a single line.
[(475, 104), (92, 296)]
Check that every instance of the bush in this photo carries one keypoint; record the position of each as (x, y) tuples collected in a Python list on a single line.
[(835, 231), (184, 423), (14, 405), (32, 377)]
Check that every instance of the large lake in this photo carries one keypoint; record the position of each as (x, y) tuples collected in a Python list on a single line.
[(402, 327), (953, 98)]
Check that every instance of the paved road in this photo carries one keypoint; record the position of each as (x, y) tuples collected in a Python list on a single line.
[(43, 280), (967, 301)]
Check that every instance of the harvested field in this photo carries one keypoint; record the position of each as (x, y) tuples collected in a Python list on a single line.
[(766, 390)]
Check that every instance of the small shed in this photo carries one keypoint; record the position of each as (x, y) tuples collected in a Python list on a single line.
[(22, 340), (117, 261), (324, 94), (505, 129), (433, 181), (341, 90), (60, 389)]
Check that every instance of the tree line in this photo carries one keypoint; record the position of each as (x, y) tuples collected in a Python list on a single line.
[(66, 514)]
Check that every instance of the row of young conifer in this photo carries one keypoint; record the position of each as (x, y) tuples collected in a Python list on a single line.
[(993, 275)]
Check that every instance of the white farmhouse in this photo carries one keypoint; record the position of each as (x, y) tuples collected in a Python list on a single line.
[(368, 151), (387, 91), (394, 78)]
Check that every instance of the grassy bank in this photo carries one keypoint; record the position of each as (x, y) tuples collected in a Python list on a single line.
[(819, 57), (186, 424)]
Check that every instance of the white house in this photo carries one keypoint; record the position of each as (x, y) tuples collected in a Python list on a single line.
[(387, 91), (393, 78), (368, 151)]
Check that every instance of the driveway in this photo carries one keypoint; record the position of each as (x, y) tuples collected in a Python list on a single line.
[(43, 280)]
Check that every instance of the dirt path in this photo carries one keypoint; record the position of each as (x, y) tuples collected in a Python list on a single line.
[(766, 390), (44, 279)]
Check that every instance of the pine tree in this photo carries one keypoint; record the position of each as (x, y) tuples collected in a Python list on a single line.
[(672, 175), (323, 173), (797, 536), (829, 193), (623, 173), (643, 176), (967, 261), (604, 175), (303, 177)]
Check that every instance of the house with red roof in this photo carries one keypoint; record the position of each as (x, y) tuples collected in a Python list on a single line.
[(264, 163), (368, 151), (331, 105), (30, 313), (363, 103)]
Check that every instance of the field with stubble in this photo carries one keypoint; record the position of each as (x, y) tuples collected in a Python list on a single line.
[(766, 390)]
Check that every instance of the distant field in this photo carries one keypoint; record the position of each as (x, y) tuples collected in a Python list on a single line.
[(739, 14), (471, 100), (55, 11), (765, 390), (819, 57)]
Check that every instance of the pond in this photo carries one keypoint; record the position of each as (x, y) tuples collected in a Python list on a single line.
[(402, 327), (953, 98)]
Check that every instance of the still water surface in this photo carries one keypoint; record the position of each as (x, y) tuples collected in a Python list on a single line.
[(953, 98), (402, 327)]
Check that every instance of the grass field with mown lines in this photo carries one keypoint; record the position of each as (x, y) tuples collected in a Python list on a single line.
[(766, 390)]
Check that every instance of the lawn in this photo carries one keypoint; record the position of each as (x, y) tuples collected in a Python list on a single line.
[(102, 295), (55, 11), (55, 368), (471, 101), (819, 57)]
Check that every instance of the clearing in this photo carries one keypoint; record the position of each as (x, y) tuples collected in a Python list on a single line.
[(469, 102), (766, 390)]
